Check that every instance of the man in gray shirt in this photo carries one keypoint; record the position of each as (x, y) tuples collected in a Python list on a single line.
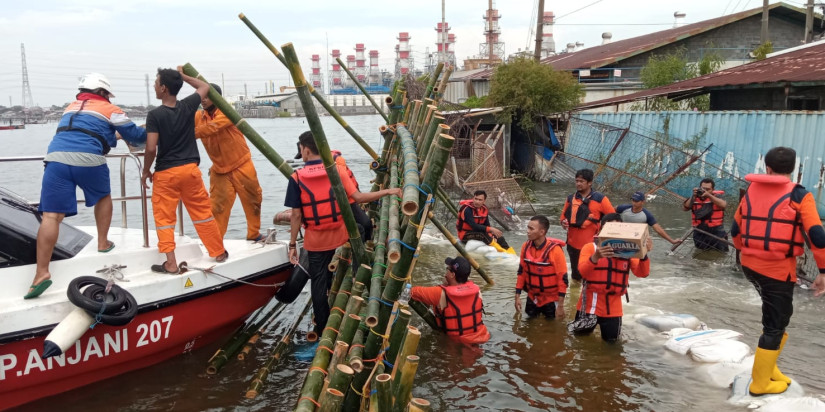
[(636, 213)]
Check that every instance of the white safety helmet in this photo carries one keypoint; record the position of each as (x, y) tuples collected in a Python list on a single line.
[(93, 81)]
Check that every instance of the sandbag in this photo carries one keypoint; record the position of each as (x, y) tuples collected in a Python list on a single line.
[(664, 323), (740, 395), (721, 374), (725, 350), (472, 245), (804, 404), (483, 250), (681, 344)]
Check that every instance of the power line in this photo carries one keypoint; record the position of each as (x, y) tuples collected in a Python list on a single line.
[(579, 9)]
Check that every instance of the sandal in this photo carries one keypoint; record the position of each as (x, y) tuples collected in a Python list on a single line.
[(162, 269), (38, 289), (108, 249)]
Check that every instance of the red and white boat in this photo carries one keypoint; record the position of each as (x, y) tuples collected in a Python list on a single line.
[(177, 313)]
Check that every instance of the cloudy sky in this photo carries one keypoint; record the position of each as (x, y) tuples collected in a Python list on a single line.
[(129, 39)]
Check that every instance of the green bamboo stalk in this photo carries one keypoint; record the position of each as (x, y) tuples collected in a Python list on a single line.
[(222, 356), (378, 266), (341, 378), (425, 163), (421, 130), (409, 202), (383, 392), (363, 90), (358, 289), (243, 126), (314, 381), (349, 327), (259, 379), (433, 79), (442, 86), (419, 405), (318, 96), (250, 343), (449, 236), (338, 356), (356, 352), (422, 116), (403, 393), (363, 275), (445, 200), (408, 347), (341, 270), (332, 401), (393, 245), (417, 107), (323, 148), (435, 128), (424, 312), (438, 160), (396, 110), (397, 334)]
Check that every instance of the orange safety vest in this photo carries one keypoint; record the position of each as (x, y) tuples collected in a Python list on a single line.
[(541, 274), (705, 211), (464, 309), (479, 215), (609, 277), (339, 160), (579, 211), (770, 227), (319, 208)]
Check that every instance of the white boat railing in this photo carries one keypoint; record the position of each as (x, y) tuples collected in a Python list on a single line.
[(123, 198)]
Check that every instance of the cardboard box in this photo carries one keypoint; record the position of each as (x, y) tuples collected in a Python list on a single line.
[(629, 240)]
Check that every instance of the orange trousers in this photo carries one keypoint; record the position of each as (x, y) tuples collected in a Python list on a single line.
[(241, 182), (183, 183)]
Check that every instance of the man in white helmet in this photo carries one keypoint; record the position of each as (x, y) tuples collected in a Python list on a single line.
[(85, 134)]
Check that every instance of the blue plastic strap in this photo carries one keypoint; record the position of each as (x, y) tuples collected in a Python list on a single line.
[(402, 243), (379, 299), (388, 364)]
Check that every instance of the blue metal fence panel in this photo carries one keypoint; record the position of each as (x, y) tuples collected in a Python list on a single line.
[(743, 135)]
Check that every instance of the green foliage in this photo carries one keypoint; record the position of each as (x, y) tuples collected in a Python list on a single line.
[(527, 90), (475, 102), (662, 70), (761, 52)]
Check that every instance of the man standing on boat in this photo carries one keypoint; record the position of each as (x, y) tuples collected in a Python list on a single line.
[(232, 173), (86, 132), (457, 303), (605, 284), (707, 210), (581, 215), (474, 223), (636, 213), (542, 272), (171, 137), (771, 224), (311, 197)]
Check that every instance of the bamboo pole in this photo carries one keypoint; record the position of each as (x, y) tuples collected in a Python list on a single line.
[(419, 405), (222, 356), (397, 104), (383, 392), (243, 126), (439, 155), (275, 357), (449, 236), (394, 236), (408, 347), (363, 90), (338, 356), (341, 270), (356, 352), (404, 388), (422, 116), (432, 128), (416, 108), (433, 79), (427, 147), (378, 265), (358, 289), (409, 203), (333, 400), (323, 148), (317, 95), (442, 87), (263, 329), (445, 200), (341, 378), (349, 327), (424, 312), (397, 334)]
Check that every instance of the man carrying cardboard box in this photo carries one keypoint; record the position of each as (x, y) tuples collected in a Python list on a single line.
[(580, 217), (606, 273)]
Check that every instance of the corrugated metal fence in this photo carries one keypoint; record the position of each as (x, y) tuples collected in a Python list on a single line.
[(743, 137)]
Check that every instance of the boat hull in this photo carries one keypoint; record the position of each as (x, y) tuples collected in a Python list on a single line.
[(160, 331)]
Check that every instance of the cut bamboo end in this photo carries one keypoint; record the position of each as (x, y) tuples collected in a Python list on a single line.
[(312, 336), (388, 100), (211, 370), (333, 266), (374, 165), (394, 256), (419, 405), (251, 394), (356, 364), (409, 208), (371, 321), (345, 369), (384, 377), (383, 129), (446, 127)]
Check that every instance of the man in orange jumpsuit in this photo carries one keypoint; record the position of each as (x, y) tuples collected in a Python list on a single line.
[(171, 138), (770, 226), (456, 303), (232, 173), (605, 283), (542, 272), (580, 217)]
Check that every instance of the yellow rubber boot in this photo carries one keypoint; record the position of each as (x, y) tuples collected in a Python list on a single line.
[(763, 364), (777, 375)]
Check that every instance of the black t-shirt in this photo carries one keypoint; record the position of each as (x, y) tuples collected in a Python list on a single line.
[(176, 129)]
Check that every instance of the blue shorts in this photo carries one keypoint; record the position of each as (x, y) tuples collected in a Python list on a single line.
[(59, 191)]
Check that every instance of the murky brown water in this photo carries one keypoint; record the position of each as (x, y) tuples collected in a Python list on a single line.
[(528, 365)]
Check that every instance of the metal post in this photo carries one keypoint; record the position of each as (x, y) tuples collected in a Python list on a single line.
[(809, 22), (539, 31), (123, 222), (764, 38), (180, 218)]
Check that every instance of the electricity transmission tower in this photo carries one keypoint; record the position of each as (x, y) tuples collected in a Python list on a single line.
[(28, 101)]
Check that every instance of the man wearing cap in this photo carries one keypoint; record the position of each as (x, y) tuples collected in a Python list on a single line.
[(636, 213), (232, 173), (89, 128), (456, 303)]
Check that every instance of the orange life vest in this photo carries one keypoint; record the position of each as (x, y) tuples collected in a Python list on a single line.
[(464, 309), (339, 160), (610, 277), (319, 208), (704, 211), (579, 211), (770, 227), (479, 216), (541, 274)]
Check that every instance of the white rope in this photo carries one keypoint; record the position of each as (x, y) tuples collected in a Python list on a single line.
[(112, 273), (184, 267)]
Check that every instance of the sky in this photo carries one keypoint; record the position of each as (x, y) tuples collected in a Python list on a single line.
[(129, 40)]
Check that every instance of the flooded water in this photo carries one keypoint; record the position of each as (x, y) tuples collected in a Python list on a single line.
[(528, 365)]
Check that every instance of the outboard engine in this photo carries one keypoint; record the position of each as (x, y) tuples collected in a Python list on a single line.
[(19, 223)]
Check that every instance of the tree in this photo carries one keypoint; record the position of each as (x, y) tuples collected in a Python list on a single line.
[(761, 52), (527, 89), (662, 70)]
